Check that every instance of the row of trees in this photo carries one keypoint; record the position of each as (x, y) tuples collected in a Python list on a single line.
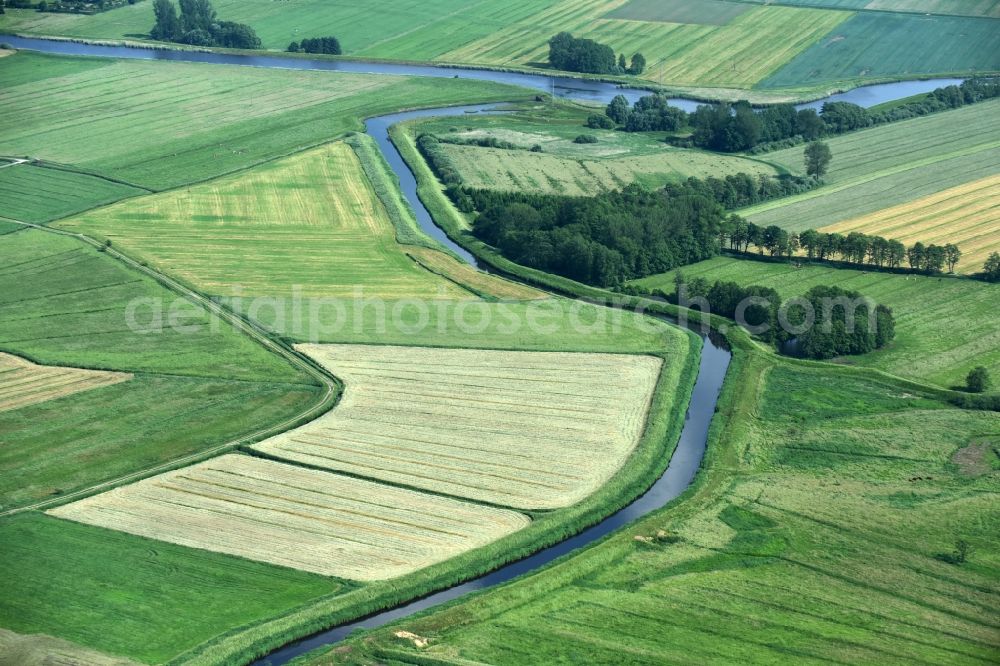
[(573, 54), (739, 190), (327, 45), (854, 248), (199, 26)]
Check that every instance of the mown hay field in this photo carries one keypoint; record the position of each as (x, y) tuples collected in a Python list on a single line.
[(747, 49), (124, 595), (300, 518), (309, 222), (36, 194), (967, 215), (889, 165), (161, 124), (815, 532), (24, 383), (531, 430), (944, 326), (883, 44), (524, 171)]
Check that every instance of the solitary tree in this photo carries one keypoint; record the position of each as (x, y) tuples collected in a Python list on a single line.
[(951, 256), (818, 158), (638, 64), (978, 380), (622, 64), (992, 267)]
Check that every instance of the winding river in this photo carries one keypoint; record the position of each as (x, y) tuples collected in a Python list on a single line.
[(715, 358)]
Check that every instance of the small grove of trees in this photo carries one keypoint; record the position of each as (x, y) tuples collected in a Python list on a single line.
[(198, 25), (978, 380), (826, 322), (573, 54), (327, 45), (817, 157)]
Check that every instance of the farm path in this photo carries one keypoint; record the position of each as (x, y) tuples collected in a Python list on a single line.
[(330, 384)]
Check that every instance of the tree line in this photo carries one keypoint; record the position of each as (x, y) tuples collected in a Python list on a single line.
[(198, 25), (573, 54), (854, 248), (726, 127), (327, 45)]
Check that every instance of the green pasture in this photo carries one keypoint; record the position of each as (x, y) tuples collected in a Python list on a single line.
[(161, 124), (944, 326), (64, 303), (38, 194), (877, 44), (59, 446), (705, 12), (129, 596)]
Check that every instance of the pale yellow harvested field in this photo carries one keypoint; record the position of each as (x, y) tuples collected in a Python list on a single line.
[(535, 430), (523, 171), (461, 272), (295, 517), (42, 650), (23, 383), (967, 215)]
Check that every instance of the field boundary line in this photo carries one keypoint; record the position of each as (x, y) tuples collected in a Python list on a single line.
[(781, 202), (331, 384)]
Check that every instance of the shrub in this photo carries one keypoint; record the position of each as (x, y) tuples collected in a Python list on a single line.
[(585, 138), (600, 121), (978, 380)]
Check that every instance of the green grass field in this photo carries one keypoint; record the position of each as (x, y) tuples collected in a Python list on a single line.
[(888, 165), (706, 12), (876, 44), (944, 326), (124, 595), (65, 303), (36, 194), (160, 124), (811, 536), (952, 7), (310, 223), (59, 446)]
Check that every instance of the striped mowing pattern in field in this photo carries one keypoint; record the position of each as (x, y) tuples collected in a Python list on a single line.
[(522, 429), (23, 383), (707, 12), (524, 171), (300, 518), (889, 165), (967, 215), (747, 49), (309, 222), (36, 194)]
